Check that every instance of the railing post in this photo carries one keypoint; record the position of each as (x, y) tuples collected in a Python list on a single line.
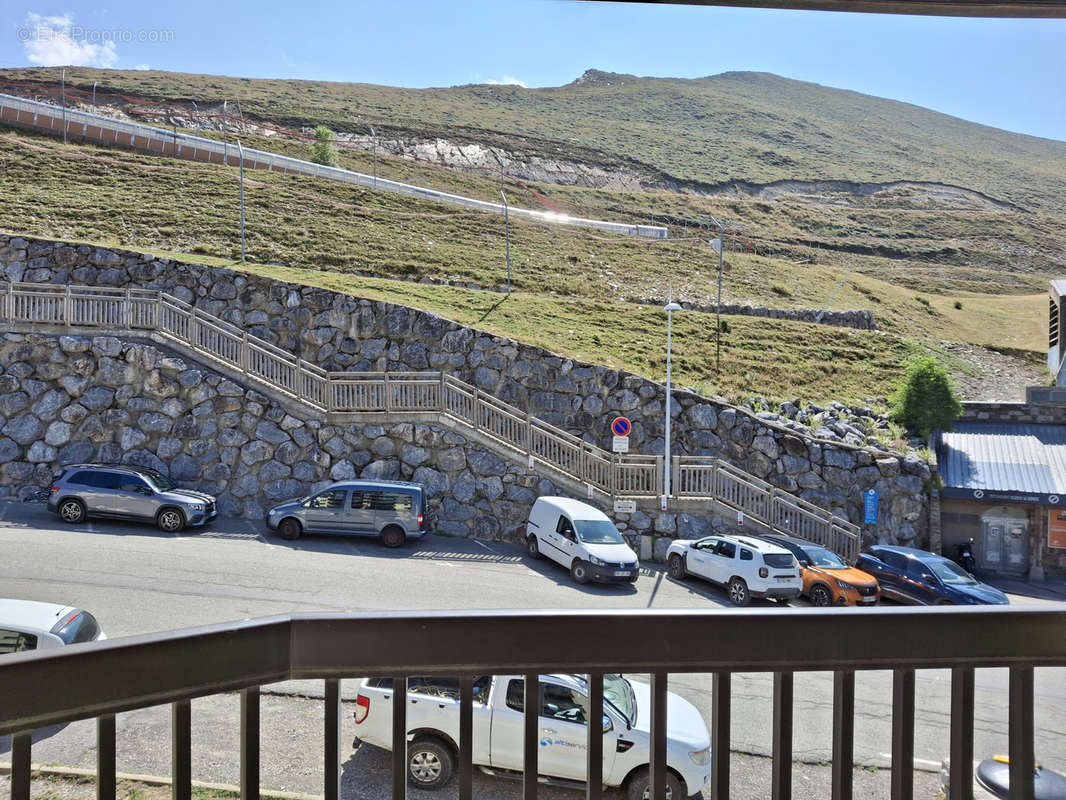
[(466, 738), (720, 723), (594, 755), (66, 305), (10, 310), (21, 744), (675, 475), (388, 396), (250, 743), (659, 721), (844, 734), (244, 352), (782, 736), (331, 721), (477, 407), (658, 476), (902, 775), (128, 310), (442, 400), (961, 747), (529, 437), (530, 739), (158, 311), (181, 750), (1020, 727), (105, 757)]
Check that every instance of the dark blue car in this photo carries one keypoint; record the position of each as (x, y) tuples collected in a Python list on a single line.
[(914, 576)]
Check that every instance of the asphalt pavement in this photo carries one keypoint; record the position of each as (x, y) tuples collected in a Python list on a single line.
[(136, 579)]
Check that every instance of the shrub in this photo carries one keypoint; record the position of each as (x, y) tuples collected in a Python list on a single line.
[(780, 291), (322, 149), (925, 399), (958, 305), (923, 300)]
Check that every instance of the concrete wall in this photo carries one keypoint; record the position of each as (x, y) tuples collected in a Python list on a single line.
[(343, 332), (1021, 413)]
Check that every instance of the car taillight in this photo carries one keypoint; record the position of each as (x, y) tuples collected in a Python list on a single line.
[(764, 572), (55, 489), (420, 520), (362, 708)]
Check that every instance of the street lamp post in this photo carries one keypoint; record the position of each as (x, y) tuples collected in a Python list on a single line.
[(375, 156), (507, 233), (241, 150), (718, 315), (669, 308), (63, 100)]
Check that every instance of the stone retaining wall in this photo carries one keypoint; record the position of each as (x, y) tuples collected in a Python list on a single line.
[(1020, 413), (342, 332), (863, 320)]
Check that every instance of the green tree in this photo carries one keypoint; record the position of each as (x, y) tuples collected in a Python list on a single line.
[(925, 398), (322, 149)]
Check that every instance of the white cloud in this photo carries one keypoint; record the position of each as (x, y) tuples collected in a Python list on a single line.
[(142, 67), (54, 42), (507, 80)]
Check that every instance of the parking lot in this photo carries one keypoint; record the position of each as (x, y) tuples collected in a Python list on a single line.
[(136, 579)]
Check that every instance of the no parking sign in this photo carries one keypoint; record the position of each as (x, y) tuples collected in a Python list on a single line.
[(621, 426)]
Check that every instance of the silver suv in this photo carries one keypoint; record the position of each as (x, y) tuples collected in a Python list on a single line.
[(122, 491), (393, 511)]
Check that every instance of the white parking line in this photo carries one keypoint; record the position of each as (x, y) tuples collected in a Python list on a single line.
[(258, 535), (90, 527), (478, 541), (355, 549)]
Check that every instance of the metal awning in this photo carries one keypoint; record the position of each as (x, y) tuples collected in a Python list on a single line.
[(1004, 462)]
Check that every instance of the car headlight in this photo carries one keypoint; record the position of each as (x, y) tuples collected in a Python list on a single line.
[(635, 565), (196, 507), (844, 586), (701, 757), (599, 562)]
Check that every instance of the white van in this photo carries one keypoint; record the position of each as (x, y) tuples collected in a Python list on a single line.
[(581, 538)]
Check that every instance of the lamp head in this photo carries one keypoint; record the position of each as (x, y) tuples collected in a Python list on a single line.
[(671, 306)]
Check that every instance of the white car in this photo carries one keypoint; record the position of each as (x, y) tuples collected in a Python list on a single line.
[(29, 625), (433, 730), (581, 538), (746, 566)]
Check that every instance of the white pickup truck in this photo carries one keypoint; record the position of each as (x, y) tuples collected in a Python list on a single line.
[(433, 731)]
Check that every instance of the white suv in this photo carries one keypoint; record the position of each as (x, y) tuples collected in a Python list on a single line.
[(29, 625), (747, 567)]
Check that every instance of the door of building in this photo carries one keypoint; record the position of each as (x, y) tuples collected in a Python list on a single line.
[(1004, 544)]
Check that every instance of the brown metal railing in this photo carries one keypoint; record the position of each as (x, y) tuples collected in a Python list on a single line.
[(102, 679)]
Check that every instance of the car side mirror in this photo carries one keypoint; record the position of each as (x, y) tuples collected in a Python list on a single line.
[(608, 726), (928, 578), (145, 491)]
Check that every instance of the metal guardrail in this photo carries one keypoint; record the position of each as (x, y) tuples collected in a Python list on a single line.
[(515, 431), (99, 680), (107, 129)]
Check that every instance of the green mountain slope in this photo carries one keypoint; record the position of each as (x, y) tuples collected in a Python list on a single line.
[(738, 126)]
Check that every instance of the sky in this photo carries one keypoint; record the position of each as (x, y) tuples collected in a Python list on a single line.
[(1009, 74)]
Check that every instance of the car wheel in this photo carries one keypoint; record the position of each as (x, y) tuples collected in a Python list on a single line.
[(72, 511), (677, 567), (430, 764), (579, 571), (532, 547), (290, 529), (393, 536), (820, 596), (639, 787), (170, 520), (738, 592)]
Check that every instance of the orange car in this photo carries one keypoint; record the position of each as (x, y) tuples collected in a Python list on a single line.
[(827, 578)]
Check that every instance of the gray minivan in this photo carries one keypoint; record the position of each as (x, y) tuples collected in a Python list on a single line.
[(390, 510)]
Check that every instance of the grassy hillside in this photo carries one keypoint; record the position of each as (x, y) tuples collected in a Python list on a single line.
[(735, 126)]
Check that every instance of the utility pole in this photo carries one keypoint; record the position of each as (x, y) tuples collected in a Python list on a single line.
[(240, 149), (63, 100), (94, 95), (718, 315), (507, 232), (375, 156)]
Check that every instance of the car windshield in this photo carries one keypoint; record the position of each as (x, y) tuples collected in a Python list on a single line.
[(950, 572), (159, 481), (826, 559), (598, 531)]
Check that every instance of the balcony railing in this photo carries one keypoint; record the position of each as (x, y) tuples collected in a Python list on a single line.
[(100, 680)]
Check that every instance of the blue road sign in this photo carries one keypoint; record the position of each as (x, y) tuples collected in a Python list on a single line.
[(869, 507), (621, 426)]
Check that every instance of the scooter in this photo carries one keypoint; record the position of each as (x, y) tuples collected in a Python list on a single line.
[(964, 556)]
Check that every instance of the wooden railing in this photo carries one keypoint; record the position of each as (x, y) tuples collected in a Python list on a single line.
[(697, 476), (516, 432)]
